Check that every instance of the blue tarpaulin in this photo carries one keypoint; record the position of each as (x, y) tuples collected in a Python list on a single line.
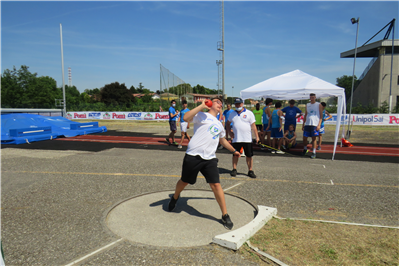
[(26, 128)]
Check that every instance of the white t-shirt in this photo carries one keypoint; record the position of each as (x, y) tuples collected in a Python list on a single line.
[(207, 131), (242, 125), (313, 115)]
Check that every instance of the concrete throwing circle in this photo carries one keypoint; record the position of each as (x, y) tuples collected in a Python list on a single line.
[(194, 222)]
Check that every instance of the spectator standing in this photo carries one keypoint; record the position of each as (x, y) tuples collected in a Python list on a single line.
[(258, 119), (291, 116), (173, 114), (311, 124), (244, 124), (267, 114), (276, 123), (226, 114), (183, 124), (325, 116)]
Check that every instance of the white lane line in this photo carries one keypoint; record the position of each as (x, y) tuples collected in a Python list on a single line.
[(91, 254), (232, 186), (318, 164)]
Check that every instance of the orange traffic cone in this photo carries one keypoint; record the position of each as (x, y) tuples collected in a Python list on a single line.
[(242, 152), (346, 143)]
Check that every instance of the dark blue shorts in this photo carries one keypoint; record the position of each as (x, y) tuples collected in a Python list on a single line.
[(172, 125), (276, 133), (265, 126), (310, 131)]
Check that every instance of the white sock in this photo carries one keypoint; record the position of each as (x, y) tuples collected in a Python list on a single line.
[(314, 150)]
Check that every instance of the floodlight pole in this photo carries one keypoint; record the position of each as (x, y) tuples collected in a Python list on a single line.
[(223, 51), (220, 47), (63, 78), (390, 84), (353, 76)]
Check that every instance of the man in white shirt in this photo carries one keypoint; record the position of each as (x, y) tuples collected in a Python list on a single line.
[(311, 124), (200, 155), (243, 122)]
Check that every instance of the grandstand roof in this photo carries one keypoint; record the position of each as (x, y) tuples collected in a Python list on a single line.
[(372, 49)]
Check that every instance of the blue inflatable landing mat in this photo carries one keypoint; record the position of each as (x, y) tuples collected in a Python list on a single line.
[(26, 128)]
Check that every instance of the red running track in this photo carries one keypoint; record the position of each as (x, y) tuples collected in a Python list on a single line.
[(326, 148)]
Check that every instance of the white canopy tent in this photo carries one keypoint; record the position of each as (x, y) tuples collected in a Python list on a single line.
[(298, 85)]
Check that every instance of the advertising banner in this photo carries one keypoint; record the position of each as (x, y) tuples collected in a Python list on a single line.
[(356, 119), (119, 115)]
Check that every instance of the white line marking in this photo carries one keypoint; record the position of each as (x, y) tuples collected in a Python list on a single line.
[(34, 131), (335, 222), (232, 186), (91, 254), (318, 164)]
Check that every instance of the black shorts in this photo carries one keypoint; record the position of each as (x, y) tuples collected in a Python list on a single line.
[(194, 164), (247, 146), (172, 125), (259, 127)]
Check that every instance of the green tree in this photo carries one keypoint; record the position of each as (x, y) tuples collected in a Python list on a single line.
[(199, 89), (384, 108), (116, 94), (230, 100), (346, 83), (43, 92), (72, 95), (91, 96), (141, 88), (147, 98), (21, 88), (133, 89)]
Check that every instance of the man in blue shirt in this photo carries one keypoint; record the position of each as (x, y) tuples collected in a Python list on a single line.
[(226, 114), (173, 114), (183, 124), (291, 115)]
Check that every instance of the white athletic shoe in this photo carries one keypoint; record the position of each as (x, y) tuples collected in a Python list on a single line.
[(179, 147), (280, 152)]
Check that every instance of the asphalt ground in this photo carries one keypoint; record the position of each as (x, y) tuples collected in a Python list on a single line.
[(57, 195)]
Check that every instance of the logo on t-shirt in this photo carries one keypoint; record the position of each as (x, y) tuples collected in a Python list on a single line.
[(244, 116), (214, 130)]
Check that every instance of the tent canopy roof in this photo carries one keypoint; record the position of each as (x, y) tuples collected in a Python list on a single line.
[(293, 85)]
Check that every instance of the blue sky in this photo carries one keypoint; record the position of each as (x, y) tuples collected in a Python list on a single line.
[(127, 41)]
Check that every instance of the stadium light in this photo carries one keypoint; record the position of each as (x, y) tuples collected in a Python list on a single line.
[(353, 20)]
